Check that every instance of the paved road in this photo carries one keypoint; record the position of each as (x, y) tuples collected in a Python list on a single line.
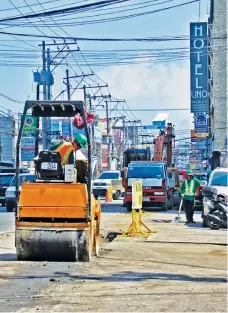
[(6, 220)]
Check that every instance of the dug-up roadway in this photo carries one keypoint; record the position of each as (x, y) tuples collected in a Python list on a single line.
[(178, 268)]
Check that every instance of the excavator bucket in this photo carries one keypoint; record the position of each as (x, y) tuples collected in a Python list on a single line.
[(54, 226)]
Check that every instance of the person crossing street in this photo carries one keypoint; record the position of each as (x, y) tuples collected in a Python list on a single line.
[(188, 191)]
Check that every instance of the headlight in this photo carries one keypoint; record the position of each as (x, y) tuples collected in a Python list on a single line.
[(10, 194), (128, 192), (159, 193)]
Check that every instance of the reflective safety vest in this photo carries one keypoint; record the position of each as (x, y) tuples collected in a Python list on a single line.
[(189, 188), (65, 149)]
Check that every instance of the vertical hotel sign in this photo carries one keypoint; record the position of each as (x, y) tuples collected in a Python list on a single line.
[(199, 68)]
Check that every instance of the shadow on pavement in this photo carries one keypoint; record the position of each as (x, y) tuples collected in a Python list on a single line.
[(125, 276), (8, 257)]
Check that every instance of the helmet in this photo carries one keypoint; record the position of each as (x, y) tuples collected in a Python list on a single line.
[(81, 140), (189, 173)]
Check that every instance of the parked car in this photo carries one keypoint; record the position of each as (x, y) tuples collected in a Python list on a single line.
[(219, 180), (103, 183), (10, 195), (5, 180)]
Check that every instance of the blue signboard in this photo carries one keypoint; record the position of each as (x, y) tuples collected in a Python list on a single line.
[(27, 148), (199, 67), (201, 123), (201, 144)]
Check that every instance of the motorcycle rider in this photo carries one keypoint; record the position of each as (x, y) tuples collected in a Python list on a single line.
[(188, 191)]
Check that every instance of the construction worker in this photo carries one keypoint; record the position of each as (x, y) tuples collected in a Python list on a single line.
[(71, 154), (188, 191)]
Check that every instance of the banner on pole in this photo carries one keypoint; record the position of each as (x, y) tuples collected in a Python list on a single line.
[(137, 194)]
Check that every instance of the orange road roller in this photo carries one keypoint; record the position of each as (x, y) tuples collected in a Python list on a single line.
[(57, 218)]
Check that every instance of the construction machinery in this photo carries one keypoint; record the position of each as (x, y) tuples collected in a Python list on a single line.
[(165, 139), (57, 219)]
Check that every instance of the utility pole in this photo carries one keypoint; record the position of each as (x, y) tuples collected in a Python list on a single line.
[(108, 137), (124, 134), (84, 92), (37, 122), (68, 98), (44, 119), (133, 130)]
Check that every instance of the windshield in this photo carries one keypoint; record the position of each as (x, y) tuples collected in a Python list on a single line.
[(6, 179), (25, 178), (130, 156), (109, 175), (146, 171), (201, 176), (219, 179)]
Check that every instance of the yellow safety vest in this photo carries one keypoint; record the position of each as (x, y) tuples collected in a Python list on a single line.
[(65, 149), (189, 188)]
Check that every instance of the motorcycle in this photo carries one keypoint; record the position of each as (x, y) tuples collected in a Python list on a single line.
[(218, 212)]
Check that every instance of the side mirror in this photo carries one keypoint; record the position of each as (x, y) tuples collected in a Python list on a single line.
[(203, 183)]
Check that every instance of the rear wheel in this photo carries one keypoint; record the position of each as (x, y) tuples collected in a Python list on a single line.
[(213, 224), (165, 207), (129, 207), (170, 205), (9, 208)]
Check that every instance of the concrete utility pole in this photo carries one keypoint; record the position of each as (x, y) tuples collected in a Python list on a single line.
[(68, 98), (108, 137), (44, 119), (37, 123), (134, 139)]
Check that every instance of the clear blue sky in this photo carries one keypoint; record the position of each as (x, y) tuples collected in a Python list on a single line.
[(18, 82)]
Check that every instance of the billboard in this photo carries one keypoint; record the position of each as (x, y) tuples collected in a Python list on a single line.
[(28, 148), (7, 138), (196, 136), (201, 144), (199, 68), (201, 121), (30, 125)]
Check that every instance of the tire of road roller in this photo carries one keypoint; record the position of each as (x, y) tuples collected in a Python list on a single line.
[(53, 245)]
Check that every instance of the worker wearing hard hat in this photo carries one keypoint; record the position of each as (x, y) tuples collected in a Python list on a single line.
[(67, 149), (71, 154), (188, 191)]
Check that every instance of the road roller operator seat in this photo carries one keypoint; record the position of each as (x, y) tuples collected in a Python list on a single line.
[(48, 165)]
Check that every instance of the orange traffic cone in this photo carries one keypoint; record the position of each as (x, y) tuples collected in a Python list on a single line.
[(107, 197)]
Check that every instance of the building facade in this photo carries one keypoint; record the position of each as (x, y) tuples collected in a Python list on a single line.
[(217, 25)]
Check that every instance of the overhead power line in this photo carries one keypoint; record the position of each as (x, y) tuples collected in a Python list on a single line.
[(151, 110), (64, 11), (9, 98), (146, 39)]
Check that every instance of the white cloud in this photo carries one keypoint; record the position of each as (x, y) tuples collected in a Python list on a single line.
[(156, 86)]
